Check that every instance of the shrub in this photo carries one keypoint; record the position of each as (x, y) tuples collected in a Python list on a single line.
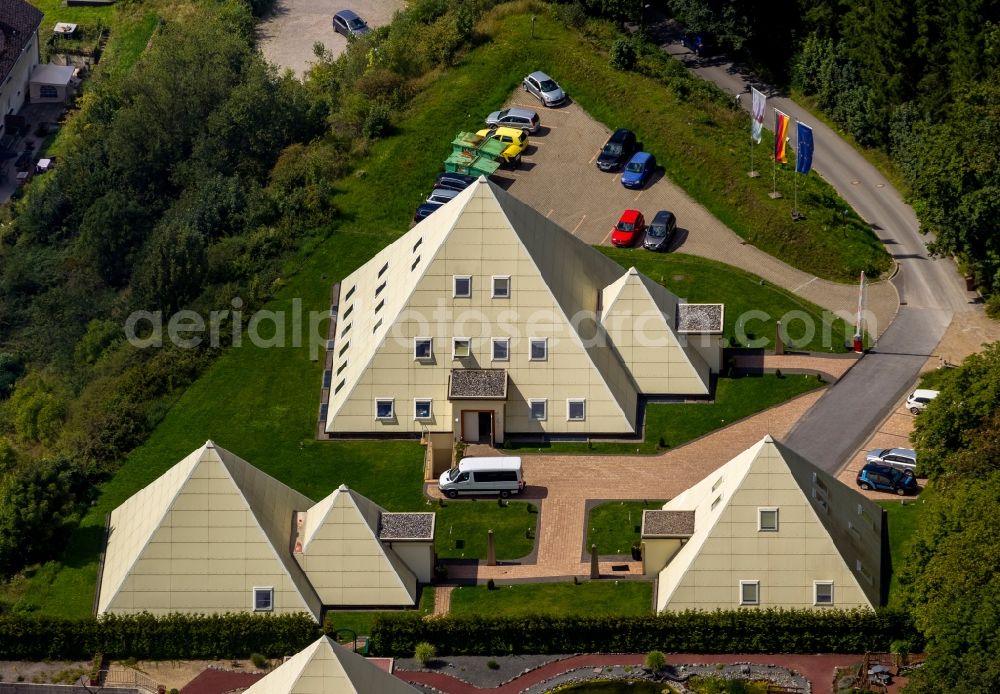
[(623, 54), (993, 306), (655, 661), (424, 653), (259, 660), (491, 585), (492, 664)]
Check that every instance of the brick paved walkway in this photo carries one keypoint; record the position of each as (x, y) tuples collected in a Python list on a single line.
[(818, 669), (563, 484), (442, 600)]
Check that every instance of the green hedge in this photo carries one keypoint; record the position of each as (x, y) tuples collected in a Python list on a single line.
[(174, 637), (739, 631)]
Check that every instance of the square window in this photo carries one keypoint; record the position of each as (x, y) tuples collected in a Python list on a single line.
[(463, 286), (501, 348), (576, 410), (501, 286), (539, 348), (422, 408), (767, 519), (824, 592), (263, 599), (423, 348), (384, 409), (461, 347), (749, 592), (538, 410)]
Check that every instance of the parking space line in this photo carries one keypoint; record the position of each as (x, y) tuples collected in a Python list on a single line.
[(638, 196), (578, 224), (549, 212), (596, 154)]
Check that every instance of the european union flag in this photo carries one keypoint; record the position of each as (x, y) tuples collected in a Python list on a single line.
[(803, 148)]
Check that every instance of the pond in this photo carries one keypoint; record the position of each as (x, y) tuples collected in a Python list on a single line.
[(616, 687)]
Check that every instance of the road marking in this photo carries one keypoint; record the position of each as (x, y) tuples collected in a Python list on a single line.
[(549, 212), (605, 241), (804, 285), (596, 154), (639, 196), (578, 224)]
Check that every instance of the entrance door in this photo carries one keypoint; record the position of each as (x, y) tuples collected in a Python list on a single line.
[(486, 427), (470, 427)]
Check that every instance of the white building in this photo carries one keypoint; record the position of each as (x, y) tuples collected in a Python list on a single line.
[(19, 53)]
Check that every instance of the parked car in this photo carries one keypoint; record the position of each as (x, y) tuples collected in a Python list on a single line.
[(442, 195), (426, 210), (617, 150), (887, 479), (523, 118), (698, 43), (544, 88), (492, 475), (919, 398), (516, 141), (899, 458), (455, 181), (660, 232), (628, 229), (348, 23), (639, 170)]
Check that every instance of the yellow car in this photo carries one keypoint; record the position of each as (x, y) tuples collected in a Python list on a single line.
[(515, 139)]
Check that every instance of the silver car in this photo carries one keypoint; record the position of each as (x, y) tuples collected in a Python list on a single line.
[(522, 118), (442, 195), (900, 458), (544, 88)]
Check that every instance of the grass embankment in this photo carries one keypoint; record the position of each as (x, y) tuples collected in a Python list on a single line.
[(262, 403), (360, 622), (587, 599), (902, 519), (615, 525)]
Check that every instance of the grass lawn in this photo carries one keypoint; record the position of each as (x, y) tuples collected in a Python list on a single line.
[(361, 622), (588, 599), (463, 525), (615, 525), (902, 519), (671, 424), (700, 280)]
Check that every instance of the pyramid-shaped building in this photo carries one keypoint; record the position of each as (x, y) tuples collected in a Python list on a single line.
[(488, 319)]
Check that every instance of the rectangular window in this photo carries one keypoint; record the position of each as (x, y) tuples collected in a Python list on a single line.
[(539, 348), (461, 347), (823, 592), (423, 348), (377, 325), (415, 263), (501, 286), (344, 349), (501, 348), (350, 293), (341, 367), (378, 289), (384, 268), (380, 305), (718, 483), (417, 244), (263, 599), (576, 410), (716, 501), (347, 329), (339, 386), (767, 519), (463, 286), (539, 410), (422, 408), (384, 408), (348, 311), (749, 592)]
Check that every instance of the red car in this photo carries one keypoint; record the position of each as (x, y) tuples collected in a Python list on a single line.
[(628, 229)]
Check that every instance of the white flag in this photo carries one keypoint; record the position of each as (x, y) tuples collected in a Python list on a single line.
[(757, 115)]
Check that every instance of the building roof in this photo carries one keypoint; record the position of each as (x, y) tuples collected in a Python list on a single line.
[(18, 23), (478, 384), (59, 75), (406, 526), (325, 667), (667, 523), (700, 318)]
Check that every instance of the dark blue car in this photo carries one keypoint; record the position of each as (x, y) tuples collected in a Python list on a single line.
[(639, 170), (426, 210), (887, 479)]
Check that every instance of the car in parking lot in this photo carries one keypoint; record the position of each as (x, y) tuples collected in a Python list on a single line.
[(919, 398), (629, 228), (639, 170), (899, 458), (544, 88), (617, 150), (883, 478), (455, 181), (348, 23), (660, 232), (442, 195), (426, 210), (516, 141), (523, 118)]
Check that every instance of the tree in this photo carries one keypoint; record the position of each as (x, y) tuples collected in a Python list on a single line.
[(11, 369)]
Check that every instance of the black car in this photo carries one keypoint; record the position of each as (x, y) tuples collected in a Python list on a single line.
[(426, 210), (617, 150), (454, 181), (660, 232)]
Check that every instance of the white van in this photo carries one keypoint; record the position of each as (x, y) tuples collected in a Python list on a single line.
[(483, 476)]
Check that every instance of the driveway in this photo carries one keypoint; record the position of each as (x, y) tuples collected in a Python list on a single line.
[(558, 178), (287, 36)]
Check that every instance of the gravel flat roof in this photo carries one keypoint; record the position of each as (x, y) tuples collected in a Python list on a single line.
[(667, 523), (406, 526), (699, 318), (478, 384)]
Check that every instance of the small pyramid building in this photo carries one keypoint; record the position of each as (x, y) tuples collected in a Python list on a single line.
[(767, 529), (487, 318), (325, 667), (214, 534)]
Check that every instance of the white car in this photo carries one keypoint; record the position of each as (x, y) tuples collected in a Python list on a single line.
[(919, 398)]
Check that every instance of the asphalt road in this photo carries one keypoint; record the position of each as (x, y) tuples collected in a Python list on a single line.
[(930, 291)]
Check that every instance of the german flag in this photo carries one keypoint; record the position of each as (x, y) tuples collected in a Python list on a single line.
[(780, 135)]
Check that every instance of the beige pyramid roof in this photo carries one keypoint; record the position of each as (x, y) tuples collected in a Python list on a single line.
[(339, 550), (201, 537), (328, 668), (639, 316), (827, 532)]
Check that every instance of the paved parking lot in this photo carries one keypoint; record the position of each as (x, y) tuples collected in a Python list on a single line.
[(286, 38)]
